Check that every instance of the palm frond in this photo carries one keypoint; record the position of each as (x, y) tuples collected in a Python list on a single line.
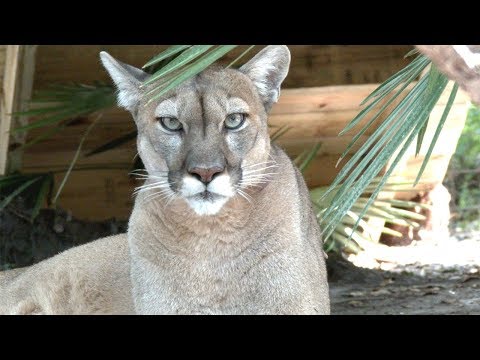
[(305, 158), (66, 102), (171, 51), (354, 226), (112, 144), (180, 61), (75, 158), (279, 132), (234, 61), (26, 185), (392, 137), (190, 61)]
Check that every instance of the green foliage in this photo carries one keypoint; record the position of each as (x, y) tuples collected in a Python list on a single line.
[(404, 124), (463, 176), (62, 103), (112, 144), (467, 153), (345, 235), (353, 227), (306, 157), (36, 189), (193, 60)]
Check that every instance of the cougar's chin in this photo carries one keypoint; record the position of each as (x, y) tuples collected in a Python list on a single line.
[(206, 203)]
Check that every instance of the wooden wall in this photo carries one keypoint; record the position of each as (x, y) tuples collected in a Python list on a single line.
[(315, 109), (311, 65)]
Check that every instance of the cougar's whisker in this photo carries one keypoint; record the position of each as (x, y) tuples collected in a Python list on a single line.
[(152, 186), (258, 164), (253, 176), (252, 181), (258, 170), (157, 185), (169, 200), (244, 194), (150, 178), (157, 194)]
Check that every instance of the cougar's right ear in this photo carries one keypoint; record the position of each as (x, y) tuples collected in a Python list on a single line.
[(127, 79)]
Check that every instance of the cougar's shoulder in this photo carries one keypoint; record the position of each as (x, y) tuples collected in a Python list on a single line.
[(92, 278)]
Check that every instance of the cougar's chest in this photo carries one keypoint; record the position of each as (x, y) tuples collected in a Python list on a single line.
[(216, 283)]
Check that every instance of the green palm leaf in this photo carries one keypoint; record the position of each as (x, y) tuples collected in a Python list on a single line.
[(347, 231), (68, 102), (191, 70), (172, 50), (406, 122), (184, 58), (20, 189), (113, 143)]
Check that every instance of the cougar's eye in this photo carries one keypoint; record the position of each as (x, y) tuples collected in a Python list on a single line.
[(170, 123), (234, 121)]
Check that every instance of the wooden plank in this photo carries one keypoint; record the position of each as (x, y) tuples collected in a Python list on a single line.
[(17, 89), (312, 65), (99, 194)]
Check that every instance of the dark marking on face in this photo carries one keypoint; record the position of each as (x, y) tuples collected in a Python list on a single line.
[(202, 115)]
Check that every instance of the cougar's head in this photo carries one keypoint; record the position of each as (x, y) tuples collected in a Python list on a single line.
[(205, 141)]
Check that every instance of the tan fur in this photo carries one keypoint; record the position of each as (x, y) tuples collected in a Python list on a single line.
[(258, 252), (89, 279)]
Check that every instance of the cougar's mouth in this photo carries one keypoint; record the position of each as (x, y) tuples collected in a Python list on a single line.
[(207, 195)]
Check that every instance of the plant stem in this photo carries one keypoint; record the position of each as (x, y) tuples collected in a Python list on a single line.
[(74, 160)]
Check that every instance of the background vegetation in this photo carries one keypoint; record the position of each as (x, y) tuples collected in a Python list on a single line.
[(463, 176)]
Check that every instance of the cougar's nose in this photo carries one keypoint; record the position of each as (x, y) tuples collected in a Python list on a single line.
[(205, 175)]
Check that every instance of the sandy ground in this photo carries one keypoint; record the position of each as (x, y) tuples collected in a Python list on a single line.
[(426, 277)]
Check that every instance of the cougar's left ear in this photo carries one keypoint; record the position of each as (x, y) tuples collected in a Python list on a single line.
[(267, 70), (127, 79)]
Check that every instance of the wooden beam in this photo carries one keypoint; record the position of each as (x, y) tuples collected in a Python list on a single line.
[(16, 92)]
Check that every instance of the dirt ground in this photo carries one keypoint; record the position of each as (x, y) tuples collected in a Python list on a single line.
[(432, 278), (426, 277), (23, 243)]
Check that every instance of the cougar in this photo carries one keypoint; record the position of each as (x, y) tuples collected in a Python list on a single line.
[(223, 223)]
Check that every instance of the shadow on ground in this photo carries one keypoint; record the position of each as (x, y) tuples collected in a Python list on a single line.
[(409, 289)]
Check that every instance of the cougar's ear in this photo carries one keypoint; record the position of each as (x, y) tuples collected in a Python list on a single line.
[(127, 79), (267, 70)]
